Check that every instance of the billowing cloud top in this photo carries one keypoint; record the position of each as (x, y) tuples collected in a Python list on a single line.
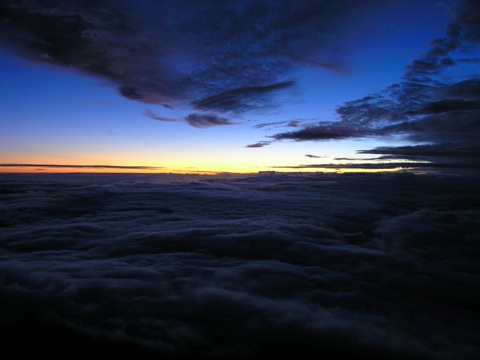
[(321, 266)]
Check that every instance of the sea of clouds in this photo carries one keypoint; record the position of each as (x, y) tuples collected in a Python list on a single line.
[(382, 265)]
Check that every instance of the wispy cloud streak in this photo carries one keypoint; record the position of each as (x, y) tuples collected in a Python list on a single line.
[(198, 120), (259, 144)]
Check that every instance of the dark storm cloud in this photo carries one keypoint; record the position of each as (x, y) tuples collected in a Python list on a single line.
[(245, 268), (213, 55)]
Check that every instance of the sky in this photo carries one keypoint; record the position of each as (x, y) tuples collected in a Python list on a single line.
[(240, 179), (239, 86)]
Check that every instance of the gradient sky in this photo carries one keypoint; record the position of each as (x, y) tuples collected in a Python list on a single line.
[(239, 86)]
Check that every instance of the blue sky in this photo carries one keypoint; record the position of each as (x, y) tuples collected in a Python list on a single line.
[(238, 86)]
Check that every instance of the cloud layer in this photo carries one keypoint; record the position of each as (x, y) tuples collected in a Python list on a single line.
[(381, 266)]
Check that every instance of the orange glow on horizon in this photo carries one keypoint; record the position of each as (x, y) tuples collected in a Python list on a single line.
[(98, 169)]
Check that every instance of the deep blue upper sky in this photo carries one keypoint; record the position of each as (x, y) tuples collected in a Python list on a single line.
[(239, 85)]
